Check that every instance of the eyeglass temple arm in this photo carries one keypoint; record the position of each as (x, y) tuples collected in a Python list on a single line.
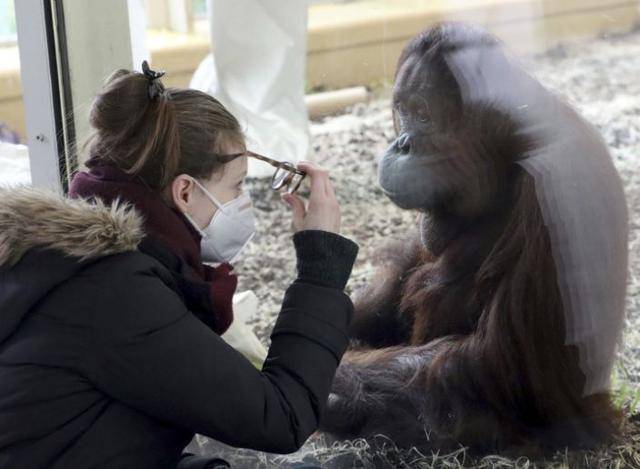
[(274, 163)]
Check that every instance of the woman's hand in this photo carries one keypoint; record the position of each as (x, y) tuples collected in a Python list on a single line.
[(322, 212)]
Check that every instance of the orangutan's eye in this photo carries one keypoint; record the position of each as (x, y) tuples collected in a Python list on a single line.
[(421, 111)]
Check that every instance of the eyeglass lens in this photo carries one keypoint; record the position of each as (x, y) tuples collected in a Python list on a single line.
[(286, 179)]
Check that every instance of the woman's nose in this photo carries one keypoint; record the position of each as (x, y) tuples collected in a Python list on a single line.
[(404, 143)]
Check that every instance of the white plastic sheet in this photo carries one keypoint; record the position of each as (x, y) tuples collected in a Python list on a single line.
[(240, 335), (257, 70)]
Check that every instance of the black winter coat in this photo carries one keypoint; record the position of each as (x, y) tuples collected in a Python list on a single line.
[(103, 365)]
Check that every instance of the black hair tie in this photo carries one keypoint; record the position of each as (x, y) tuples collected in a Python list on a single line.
[(156, 88)]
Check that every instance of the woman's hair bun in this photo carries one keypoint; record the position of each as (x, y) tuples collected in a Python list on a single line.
[(157, 133)]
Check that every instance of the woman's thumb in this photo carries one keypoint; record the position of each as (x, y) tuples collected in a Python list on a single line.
[(297, 207)]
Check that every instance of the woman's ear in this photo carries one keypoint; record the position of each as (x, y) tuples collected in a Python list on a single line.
[(182, 192)]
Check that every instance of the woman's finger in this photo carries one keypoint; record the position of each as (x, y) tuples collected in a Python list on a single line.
[(319, 177), (330, 190), (298, 209)]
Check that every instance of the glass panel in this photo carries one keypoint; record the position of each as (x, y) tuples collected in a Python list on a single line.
[(199, 8), (488, 167), (582, 51), (7, 22), (14, 156)]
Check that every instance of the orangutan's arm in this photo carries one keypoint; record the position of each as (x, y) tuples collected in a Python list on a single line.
[(377, 322)]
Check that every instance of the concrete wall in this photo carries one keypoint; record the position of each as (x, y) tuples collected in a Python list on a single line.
[(361, 49)]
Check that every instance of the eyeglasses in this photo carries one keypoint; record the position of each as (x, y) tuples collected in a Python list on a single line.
[(286, 176)]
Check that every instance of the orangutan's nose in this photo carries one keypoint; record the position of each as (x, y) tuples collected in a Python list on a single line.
[(404, 143)]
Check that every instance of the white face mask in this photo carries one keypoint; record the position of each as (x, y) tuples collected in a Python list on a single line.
[(230, 230)]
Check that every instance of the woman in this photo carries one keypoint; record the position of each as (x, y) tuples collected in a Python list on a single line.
[(110, 354)]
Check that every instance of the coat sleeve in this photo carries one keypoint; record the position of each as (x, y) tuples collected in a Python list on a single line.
[(154, 355)]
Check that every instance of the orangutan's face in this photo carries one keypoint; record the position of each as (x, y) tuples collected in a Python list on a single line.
[(439, 161)]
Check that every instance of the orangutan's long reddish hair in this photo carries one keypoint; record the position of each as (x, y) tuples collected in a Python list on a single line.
[(467, 345)]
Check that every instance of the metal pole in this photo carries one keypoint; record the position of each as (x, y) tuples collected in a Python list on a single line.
[(43, 109)]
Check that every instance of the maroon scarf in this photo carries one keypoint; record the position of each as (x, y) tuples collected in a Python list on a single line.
[(207, 291)]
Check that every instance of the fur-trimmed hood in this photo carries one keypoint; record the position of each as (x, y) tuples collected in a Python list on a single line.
[(32, 218), (64, 235)]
